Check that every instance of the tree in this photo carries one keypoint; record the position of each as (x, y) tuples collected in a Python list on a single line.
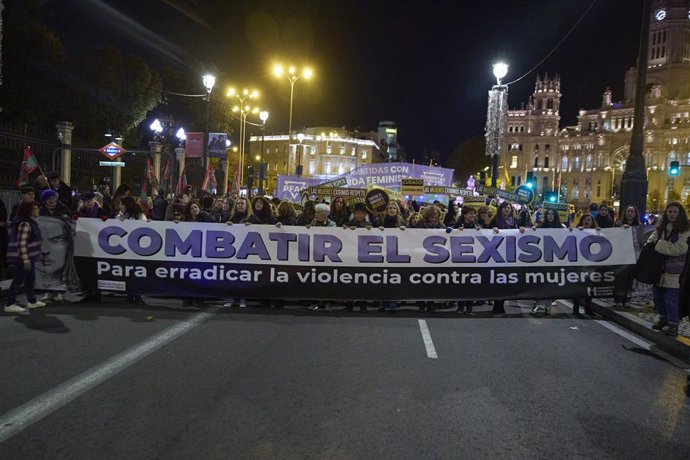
[(468, 158)]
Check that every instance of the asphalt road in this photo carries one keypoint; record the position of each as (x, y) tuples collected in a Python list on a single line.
[(290, 383)]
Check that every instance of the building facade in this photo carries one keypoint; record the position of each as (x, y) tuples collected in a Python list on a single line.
[(585, 162), (320, 152)]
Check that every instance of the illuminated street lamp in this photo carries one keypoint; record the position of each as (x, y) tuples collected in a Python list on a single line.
[(496, 118), (292, 76), (209, 81), (263, 116), (242, 108)]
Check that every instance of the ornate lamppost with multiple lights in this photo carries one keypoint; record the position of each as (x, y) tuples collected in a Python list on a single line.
[(292, 76), (496, 118), (263, 116), (242, 108), (209, 81)]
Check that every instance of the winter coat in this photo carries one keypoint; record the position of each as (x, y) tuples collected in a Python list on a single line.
[(675, 248)]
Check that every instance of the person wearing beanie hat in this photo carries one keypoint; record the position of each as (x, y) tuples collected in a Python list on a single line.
[(89, 207), (50, 206), (360, 217), (62, 189)]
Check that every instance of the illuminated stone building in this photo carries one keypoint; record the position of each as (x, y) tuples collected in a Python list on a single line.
[(320, 152), (585, 162)]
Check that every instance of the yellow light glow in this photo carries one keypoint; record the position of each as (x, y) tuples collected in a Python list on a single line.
[(292, 70), (308, 73), (278, 70), (254, 94), (245, 92), (235, 109), (231, 92), (258, 157)]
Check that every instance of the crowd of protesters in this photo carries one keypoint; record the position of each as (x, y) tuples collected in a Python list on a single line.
[(20, 235)]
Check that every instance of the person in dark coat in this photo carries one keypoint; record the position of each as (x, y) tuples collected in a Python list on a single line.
[(62, 189), (52, 207), (89, 207), (3, 238), (684, 289), (603, 217), (160, 204), (262, 211)]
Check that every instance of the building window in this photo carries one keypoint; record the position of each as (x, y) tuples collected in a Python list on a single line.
[(564, 163), (328, 167), (312, 150), (364, 154), (589, 162), (576, 163), (546, 161), (514, 161), (354, 151), (342, 149), (658, 51), (329, 148), (599, 188), (512, 181), (536, 161), (312, 167), (341, 169)]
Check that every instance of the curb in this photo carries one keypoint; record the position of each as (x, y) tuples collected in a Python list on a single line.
[(642, 328)]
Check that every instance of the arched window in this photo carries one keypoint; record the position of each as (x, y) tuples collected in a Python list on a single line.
[(546, 161), (549, 103), (576, 163), (512, 181), (589, 162), (536, 161), (564, 163)]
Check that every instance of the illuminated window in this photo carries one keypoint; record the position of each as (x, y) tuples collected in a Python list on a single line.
[(354, 151), (564, 163), (328, 167), (514, 161), (342, 149), (589, 162), (341, 169), (312, 167), (329, 148), (364, 154), (576, 163)]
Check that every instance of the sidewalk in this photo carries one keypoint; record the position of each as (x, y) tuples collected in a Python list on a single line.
[(638, 315)]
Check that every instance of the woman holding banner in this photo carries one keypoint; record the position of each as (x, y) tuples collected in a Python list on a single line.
[(307, 214), (503, 220), (391, 218), (241, 211), (340, 213), (484, 217), (262, 212), (551, 220), (586, 221), (467, 219)]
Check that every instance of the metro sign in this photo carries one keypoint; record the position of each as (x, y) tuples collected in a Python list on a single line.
[(112, 150)]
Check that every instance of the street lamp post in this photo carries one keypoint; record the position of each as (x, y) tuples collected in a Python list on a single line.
[(300, 138), (263, 116), (243, 109), (209, 81), (496, 118), (292, 76)]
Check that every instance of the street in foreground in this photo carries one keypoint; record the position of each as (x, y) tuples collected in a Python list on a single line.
[(112, 381)]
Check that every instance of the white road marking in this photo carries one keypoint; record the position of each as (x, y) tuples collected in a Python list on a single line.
[(428, 343), (31, 412), (633, 338), (617, 330)]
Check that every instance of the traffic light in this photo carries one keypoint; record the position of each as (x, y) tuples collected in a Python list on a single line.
[(530, 180), (674, 168), (551, 197)]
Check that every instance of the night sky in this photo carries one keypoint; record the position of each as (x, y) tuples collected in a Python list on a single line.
[(423, 64)]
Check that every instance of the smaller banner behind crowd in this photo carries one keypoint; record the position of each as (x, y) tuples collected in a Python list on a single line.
[(216, 260)]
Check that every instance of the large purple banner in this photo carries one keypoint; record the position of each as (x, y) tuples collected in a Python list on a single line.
[(386, 175)]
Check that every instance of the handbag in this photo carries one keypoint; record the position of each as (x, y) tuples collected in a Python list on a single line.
[(649, 266)]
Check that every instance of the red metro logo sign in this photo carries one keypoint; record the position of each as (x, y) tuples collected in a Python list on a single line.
[(112, 150)]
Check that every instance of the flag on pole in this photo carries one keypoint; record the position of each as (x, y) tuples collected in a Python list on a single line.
[(209, 183), (165, 183), (181, 182), (29, 165), (151, 174)]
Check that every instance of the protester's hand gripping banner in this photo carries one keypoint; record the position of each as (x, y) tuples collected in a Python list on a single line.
[(216, 260)]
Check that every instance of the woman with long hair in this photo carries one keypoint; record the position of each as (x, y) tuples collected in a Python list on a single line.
[(504, 219), (286, 214), (340, 212), (391, 217), (23, 252), (307, 214), (586, 221), (194, 213), (630, 217), (122, 191), (671, 240), (241, 211), (262, 211), (130, 209)]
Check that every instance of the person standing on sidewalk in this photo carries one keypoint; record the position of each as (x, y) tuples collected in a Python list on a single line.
[(671, 240), (23, 251)]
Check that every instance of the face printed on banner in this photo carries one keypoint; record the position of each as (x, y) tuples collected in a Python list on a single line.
[(54, 252)]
